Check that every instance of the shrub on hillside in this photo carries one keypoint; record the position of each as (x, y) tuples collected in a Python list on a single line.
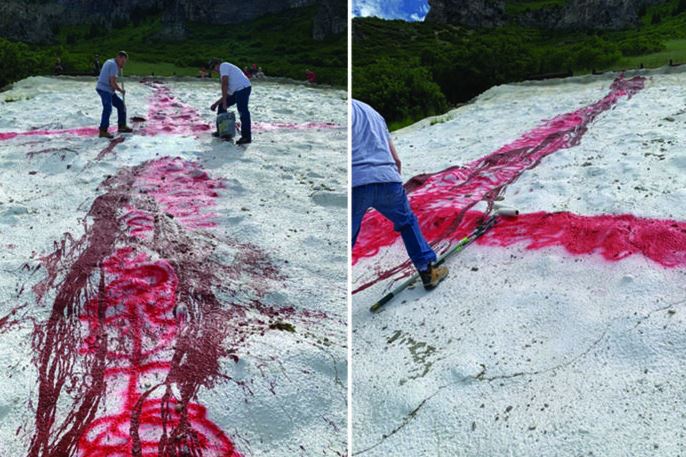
[(637, 46), (398, 89), (19, 61)]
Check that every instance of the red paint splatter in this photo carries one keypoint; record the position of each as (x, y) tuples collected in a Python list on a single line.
[(11, 319), (182, 189), (442, 200), (136, 315), (137, 328), (80, 131), (615, 237), (110, 147), (168, 115)]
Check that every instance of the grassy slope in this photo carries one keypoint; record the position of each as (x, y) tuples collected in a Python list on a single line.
[(673, 49), (281, 43), (463, 63)]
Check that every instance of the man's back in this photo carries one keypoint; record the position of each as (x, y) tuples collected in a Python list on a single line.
[(237, 79), (108, 70), (372, 161)]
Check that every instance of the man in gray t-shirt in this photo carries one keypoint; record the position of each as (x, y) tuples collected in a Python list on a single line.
[(377, 184), (106, 87)]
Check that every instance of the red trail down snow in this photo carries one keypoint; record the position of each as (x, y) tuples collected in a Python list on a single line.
[(80, 131), (615, 237), (136, 327), (442, 200), (169, 116), (138, 305)]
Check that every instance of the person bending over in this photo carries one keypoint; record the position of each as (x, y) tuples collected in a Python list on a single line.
[(236, 90), (377, 184)]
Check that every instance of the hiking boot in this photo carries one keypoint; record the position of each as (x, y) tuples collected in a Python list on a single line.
[(105, 134), (433, 275), (125, 129), (244, 140)]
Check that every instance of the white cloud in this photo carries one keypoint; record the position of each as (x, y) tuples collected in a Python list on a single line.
[(409, 10)]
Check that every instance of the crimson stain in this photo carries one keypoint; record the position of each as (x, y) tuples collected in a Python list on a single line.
[(137, 327), (615, 237), (442, 200), (80, 131), (168, 115)]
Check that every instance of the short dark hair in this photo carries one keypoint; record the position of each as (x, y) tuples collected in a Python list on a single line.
[(214, 62), (123, 54)]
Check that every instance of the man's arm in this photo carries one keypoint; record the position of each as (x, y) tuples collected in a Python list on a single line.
[(225, 93), (394, 153), (114, 85), (215, 104), (225, 89)]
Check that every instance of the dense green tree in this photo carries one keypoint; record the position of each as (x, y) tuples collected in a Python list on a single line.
[(465, 62), (399, 89), (18, 61)]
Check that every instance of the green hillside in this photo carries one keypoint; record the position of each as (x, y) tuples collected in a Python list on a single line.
[(413, 70), (281, 44)]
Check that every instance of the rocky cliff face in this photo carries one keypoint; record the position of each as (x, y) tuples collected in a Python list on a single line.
[(34, 21), (331, 19), (573, 15), (588, 15), (470, 13)]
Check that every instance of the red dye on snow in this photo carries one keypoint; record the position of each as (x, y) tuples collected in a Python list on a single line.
[(441, 200), (81, 131), (167, 115), (136, 327), (136, 314), (110, 147), (181, 189), (615, 237), (11, 319)]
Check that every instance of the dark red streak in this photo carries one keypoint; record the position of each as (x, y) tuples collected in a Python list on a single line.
[(137, 322), (614, 237), (442, 200)]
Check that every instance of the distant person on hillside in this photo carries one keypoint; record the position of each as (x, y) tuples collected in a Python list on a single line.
[(106, 87), (260, 73), (311, 76), (246, 72), (377, 184), (96, 64), (236, 90), (202, 73), (253, 70), (58, 69)]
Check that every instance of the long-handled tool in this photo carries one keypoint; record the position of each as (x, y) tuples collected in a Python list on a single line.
[(122, 87), (500, 210), (134, 119)]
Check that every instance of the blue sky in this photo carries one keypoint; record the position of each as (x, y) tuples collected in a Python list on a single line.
[(409, 10)]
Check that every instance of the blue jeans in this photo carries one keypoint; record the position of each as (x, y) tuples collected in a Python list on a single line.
[(109, 99), (240, 98), (390, 200)]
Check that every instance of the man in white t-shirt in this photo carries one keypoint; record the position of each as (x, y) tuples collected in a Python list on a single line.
[(236, 90)]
